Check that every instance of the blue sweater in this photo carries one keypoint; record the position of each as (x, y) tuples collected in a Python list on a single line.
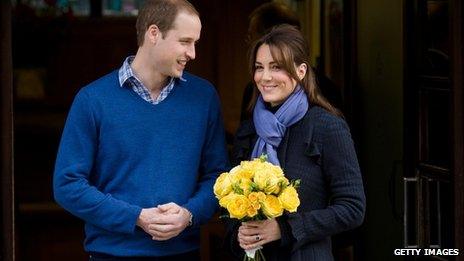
[(119, 154)]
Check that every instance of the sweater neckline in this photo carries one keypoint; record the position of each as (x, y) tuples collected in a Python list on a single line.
[(138, 99)]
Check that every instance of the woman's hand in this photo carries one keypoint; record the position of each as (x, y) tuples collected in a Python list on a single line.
[(253, 234)]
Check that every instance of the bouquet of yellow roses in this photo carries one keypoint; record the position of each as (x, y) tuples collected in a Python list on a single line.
[(256, 190)]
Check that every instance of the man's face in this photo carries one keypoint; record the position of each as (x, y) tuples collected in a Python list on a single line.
[(178, 46)]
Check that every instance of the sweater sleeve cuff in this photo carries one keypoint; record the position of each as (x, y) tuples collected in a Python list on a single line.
[(134, 213), (194, 215), (296, 223)]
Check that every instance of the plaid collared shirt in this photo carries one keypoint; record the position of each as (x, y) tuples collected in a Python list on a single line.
[(127, 78)]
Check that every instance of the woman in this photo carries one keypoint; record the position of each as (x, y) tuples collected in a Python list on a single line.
[(303, 133), (260, 21)]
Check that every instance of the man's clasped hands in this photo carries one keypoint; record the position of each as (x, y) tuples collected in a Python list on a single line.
[(164, 221)]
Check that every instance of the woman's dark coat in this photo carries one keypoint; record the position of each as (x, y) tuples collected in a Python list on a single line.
[(318, 150)]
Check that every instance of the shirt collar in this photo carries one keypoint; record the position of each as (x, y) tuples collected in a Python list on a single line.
[(126, 72)]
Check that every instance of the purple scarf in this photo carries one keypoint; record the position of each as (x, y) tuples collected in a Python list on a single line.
[(271, 127)]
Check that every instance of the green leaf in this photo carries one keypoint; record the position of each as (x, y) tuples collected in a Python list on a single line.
[(237, 189), (254, 187)]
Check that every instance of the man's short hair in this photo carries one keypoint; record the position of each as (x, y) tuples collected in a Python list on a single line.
[(271, 14), (162, 13)]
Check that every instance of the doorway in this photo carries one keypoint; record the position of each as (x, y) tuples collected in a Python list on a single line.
[(433, 91)]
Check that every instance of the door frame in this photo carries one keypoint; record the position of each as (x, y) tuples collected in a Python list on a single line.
[(7, 181), (456, 11), (457, 61)]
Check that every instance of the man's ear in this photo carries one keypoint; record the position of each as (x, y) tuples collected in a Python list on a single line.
[(153, 34), (301, 70)]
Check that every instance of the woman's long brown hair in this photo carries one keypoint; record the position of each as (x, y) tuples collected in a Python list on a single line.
[(289, 48)]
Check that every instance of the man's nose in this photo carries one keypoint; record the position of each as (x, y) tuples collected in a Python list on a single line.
[(191, 52)]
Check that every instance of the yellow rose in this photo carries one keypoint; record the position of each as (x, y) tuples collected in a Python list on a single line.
[(251, 165), (222, 186), (284, 181), (244, 186), (272, 207), (235, 174), (289, 199), (256, 198), (276, 170), (273, 185), (246, 173), (267, 181), (270, 178), (238, 207), (235, 169), (261, 196), (251, 212), (260, 178), (224, 201), (238, 173)]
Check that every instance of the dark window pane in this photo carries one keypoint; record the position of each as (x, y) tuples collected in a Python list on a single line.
[(433, 208), (411, 212), (438, 206), (435, 127), (436, 24), (447, 214)]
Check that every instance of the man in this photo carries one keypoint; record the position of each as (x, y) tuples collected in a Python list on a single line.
[(143, 145)]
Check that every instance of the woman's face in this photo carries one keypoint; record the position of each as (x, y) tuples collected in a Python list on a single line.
[(273, 82)]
